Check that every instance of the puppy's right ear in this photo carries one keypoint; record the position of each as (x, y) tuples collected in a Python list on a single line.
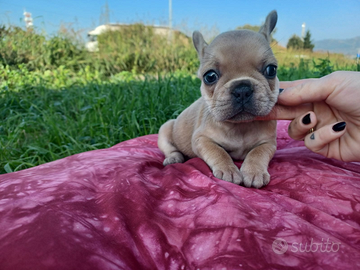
[(199, 43), (269, 25)]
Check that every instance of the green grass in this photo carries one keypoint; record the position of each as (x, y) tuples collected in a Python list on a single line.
[(49, 115), (40, 123), (57, 100)]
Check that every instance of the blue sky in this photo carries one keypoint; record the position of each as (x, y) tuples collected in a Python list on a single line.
[(330, 19)]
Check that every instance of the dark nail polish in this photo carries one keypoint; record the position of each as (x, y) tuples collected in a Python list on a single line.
[(281, 90), (339, 126), (306, 120)]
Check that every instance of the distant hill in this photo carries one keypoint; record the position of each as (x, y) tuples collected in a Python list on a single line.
[(345, 46)]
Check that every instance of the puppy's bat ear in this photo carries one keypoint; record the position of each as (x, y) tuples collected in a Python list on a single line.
[(269, 25), (199, 43)]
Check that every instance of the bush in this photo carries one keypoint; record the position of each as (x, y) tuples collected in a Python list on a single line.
[(295, 42), (136, 48), (18, 46), (33, 50)]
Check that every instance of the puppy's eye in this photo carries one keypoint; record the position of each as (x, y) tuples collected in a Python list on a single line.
[(211, 77), (270, 72)]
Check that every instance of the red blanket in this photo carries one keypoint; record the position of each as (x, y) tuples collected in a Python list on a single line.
[(119, 208)]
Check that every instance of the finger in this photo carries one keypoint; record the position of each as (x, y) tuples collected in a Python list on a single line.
[(288, 84), (300, 126), (320, 140), (307, 92), (280, 112)]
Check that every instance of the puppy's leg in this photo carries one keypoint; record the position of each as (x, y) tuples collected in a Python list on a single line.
[(217, 159), (172, 154), (255, 166)]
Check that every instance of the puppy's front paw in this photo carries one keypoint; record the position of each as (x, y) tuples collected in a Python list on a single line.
[(229, 173), (254, 176), (175, 157)]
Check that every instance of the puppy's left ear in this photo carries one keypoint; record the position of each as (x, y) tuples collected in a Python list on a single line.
[(269, 25), (199, 43)]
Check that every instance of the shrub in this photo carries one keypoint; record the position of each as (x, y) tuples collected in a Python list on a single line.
[(295, 42), (136, 48), (33, 50)]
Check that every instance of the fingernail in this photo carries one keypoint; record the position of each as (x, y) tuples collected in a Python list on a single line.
[(281, 90), (339, 126), (306, 119)]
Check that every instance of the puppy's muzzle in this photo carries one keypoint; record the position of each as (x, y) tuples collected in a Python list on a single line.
[(242, 93)]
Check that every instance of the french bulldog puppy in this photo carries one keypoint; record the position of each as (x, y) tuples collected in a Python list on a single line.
[(239, 85)]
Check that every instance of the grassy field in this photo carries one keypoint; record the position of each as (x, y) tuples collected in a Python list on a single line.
[(40, 122), (57, 100), (294, 58)]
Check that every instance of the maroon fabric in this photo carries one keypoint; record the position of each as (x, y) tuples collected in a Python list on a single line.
[(119, 208)]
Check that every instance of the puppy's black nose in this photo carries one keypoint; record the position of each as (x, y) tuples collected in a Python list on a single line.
[(243, 92)]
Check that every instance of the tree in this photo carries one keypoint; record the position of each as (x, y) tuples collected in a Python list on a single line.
[(295, 42), (256, 28), (307, 42)]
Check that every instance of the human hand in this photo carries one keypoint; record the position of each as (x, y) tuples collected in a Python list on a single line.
[(330, 105)]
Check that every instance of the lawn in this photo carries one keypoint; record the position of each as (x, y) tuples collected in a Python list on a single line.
[(57, 100), (41, 122)]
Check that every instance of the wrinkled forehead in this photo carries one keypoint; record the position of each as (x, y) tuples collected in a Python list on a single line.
[(237, 50)]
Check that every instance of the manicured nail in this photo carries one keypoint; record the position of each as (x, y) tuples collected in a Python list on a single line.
[(281, 90), (306, 119), (339, 126)]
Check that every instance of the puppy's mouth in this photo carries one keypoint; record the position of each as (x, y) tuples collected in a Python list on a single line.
[(242, 116), (245, 114)]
